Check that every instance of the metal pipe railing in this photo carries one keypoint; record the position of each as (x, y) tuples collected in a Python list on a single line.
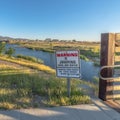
[(108, 78)]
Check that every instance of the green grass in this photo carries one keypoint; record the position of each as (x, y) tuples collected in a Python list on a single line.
[(18, 90), (84, 58), (19, 87)]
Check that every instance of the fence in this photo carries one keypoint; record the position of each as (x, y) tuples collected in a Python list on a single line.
[(109, 83)]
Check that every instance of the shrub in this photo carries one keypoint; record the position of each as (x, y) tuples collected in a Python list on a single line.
[(2, 47), (10, 51)]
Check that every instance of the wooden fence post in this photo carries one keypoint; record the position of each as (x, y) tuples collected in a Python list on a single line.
[(107, 58)]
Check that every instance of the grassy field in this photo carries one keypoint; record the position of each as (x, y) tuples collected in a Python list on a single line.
[(52, 45), (87, 49), (23, 87)]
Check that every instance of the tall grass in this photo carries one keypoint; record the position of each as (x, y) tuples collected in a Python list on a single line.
[(84, 58), (19, 87), (28, 63), (30, 58), (19, 90)]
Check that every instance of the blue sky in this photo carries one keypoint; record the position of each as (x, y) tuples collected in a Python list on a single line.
[(59, 19)]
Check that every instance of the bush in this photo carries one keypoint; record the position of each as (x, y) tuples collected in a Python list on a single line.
[(10, 51), (2, 47)]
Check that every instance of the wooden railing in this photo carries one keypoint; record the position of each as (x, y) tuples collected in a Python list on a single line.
[(109, 85), (116, 87)]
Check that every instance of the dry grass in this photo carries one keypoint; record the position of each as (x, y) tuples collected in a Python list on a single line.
[(52, 45), (30, 64)]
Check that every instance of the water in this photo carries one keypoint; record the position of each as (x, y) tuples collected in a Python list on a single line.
[(88, 70)]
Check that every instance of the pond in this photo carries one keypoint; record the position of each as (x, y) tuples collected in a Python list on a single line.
[(88, 70)]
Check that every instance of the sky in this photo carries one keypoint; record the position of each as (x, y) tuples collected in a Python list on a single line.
[(82, 20)]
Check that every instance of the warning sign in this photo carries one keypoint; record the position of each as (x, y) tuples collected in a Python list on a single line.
[(68, 64)]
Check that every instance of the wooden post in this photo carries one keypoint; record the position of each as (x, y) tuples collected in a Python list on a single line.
[(107, 58)]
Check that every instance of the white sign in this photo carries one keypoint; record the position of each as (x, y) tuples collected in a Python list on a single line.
[(68, 64)]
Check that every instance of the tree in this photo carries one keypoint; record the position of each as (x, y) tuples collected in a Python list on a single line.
[(2, 47), (10, 51), (73, 40)]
